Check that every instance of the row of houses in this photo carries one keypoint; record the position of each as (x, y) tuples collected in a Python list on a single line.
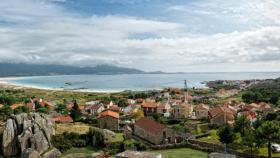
[(166, 109), (222, 114), (31, 104)]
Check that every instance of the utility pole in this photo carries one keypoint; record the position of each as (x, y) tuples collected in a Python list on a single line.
[(186, 92)]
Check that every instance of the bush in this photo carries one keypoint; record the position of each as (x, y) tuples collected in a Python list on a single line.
[(96, 137), (114, 147), (44, 110), (129, 145), (21, 109), (66, 141), (173, 121), (61, 143), (133, 144)]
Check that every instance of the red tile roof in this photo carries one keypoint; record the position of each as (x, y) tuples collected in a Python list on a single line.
[(82, 107), (30, 106), (202, 107), (149, 105), (109, 113), (63, 119), (14, 106), (150, 125), (264, 105), (249, 114), (70, 106), (220, 110)]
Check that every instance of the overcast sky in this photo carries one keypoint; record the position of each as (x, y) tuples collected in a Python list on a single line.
[(166, 35)]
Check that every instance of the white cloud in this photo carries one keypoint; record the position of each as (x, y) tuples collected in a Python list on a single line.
[(47, 33)]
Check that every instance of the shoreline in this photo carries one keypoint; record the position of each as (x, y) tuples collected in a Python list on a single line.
[(14, 86), (11, 83), (4, 83)]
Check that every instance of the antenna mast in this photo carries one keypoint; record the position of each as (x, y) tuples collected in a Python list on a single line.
[(186, 92)]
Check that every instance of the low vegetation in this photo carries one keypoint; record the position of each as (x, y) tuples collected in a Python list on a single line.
[(182, 153)]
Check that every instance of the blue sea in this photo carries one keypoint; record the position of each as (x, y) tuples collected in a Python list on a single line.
[(136, 82)]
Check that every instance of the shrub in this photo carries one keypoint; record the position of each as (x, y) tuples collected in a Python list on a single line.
[(61, 143), (96, 137), (115, 147), (133, 144)]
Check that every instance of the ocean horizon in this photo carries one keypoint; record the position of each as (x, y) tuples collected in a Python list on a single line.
[(133, 82)]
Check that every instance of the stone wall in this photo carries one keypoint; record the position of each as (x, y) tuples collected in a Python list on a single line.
[(108, 122)]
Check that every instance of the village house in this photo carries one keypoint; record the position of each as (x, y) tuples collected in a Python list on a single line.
[(63, 119), (265, 108), (95, 102), (128, 109), (163, 108), (149, 107), (14, 106), (226, 93), (260, 107), (153, 131), (183, 110), (131, 108), (94, 109), (42, 103), (108, 120), (201, 111), (250, 115), (221, 115), (29, 105), (113, 107), (69, 106), (174, 102), (131, 101)]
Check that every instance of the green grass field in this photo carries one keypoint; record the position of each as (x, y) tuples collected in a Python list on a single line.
[(84, 150), (78, 127), (118, 138), (212, 138), (182, 153)]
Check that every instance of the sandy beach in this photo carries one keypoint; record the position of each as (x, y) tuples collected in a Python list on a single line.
[(5, 84)]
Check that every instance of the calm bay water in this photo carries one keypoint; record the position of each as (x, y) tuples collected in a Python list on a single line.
[(114, 83)]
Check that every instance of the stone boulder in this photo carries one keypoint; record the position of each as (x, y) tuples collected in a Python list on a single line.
[(53, 153), (30, 153), (27, 134)]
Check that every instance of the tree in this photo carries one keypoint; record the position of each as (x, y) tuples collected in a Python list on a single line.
[(75, 112), (251, 96), (7, 99), (62, 109), (156, 116), (122, 103), (269, 132), (249, 139), (226, 135), (137, 115), (21, 109), (5, 112), (44, 110), (37, 105), (241, 123)]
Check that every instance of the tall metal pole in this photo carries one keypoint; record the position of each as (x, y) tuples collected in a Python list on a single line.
[(186, 92)]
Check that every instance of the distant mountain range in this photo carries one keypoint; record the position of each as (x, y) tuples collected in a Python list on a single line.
[(8, 69)]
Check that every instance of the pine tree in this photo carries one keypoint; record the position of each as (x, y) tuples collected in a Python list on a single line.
[(75, 112)]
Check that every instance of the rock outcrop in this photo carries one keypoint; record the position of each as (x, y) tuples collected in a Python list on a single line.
[(28, 135)]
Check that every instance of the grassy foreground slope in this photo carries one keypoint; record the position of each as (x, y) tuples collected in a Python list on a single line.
[(182, 153)]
